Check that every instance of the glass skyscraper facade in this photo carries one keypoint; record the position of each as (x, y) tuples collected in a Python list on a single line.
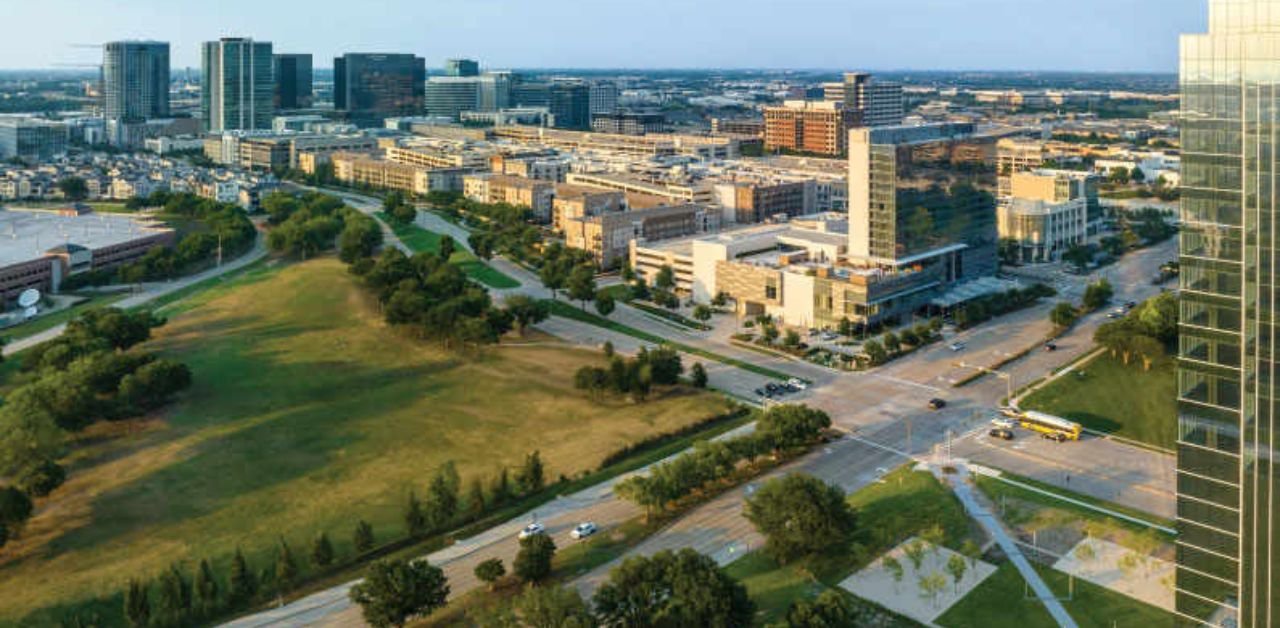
[(1226, 478), (135, 80), (293, 76), (237, 85), (369, 87)]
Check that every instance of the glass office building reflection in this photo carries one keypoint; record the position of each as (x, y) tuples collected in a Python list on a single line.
[(1226, 477)]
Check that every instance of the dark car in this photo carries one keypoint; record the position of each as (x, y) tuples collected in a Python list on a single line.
[(1055, 437), (1001, 433), (937, 404), (1049, 346)]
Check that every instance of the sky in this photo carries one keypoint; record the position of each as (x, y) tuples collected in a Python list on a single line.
[(1076, 35)]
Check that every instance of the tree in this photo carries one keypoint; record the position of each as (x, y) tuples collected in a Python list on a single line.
[(553, 607), (699, 376), (554, 274), (415, 522), (892, 343), (957, 567), (533, 561), (792, 339), (531, 478), (915, 553), (1079, 256), (15, 507), (393, 592), (490, 571), (665, 279), (875, 352), (971, 553), (175, 597), (800, 515), (581, 284), (682, 588), (894, 567), (931, 585), (526, 311), (443, 496), (1098, 294), (286, 566), (828, 610), (137, 604), (205, 589), (447, 248), (362, 537), (770, 333), (242, 585), (790, 426), (605, 303), (702, 313), (1137, 175), (322, 551), (1119, 174), (74, 188), (608, 349), (1063, 315)]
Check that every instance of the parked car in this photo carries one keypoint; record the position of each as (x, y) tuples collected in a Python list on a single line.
[(583, 530), (1049, 346), (760, 392), (1001, 433), (937, 404), (533, 529), (1054, 436), (957, 346)]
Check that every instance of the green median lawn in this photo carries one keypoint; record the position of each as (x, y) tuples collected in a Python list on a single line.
[(423, 241), (1108, 396), (1002, 601), (307, 414)]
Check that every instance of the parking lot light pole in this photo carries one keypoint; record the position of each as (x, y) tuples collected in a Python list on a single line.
[(1007, 377)]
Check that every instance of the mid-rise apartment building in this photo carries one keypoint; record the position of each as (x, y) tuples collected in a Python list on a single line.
[(388, 175), (532, 194), (629, 123), (818, 127), (608, 236)]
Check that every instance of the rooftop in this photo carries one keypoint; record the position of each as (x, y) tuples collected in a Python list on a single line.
[(27, 234)]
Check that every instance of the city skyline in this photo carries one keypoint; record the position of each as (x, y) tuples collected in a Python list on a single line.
[(907, 35)]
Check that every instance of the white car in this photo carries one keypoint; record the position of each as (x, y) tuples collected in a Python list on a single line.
[(957, 346), (797, 383), (533, 529), (1003, 423), (583, 531)]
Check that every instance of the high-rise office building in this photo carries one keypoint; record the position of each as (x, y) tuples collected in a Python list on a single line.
[(369, 87), (135, 80), (817, 127), (876, 103), (1227, 480), (237, 85), (571, 105), (461, 67), (450, 96), (495, 90), (604, 97), (293, 81)]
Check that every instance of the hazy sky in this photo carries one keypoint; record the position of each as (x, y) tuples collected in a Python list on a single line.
[(1105, 35)]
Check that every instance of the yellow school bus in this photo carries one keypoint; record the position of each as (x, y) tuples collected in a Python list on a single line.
[(1051, 426)]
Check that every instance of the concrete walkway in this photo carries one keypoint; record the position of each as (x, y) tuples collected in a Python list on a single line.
[(964, 490)]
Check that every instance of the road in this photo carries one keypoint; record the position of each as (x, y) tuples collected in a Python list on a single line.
[(149, 292)]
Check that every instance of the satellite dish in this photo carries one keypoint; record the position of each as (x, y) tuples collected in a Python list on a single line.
[(29, 298), (30, 312)]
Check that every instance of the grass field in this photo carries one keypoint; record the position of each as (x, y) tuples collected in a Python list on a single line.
[(307, 414), (1001, 602), (423, 241), (1107, 396)]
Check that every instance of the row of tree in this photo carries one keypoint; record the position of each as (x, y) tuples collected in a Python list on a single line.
[(985, 308), (84, 376), (894, 345), (1147, 333), (778, 429)]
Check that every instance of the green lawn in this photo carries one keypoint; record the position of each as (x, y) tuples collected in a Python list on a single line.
[(995, 489), (307, 414), (1001, 602), (423, 241), (1108, 396), (572, 312), (905, 504)]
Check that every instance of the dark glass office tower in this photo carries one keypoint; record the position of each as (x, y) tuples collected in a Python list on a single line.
[(461, 67), (293, 81), (1227, 539), (135, 80), (368, 87), (571, 105)]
